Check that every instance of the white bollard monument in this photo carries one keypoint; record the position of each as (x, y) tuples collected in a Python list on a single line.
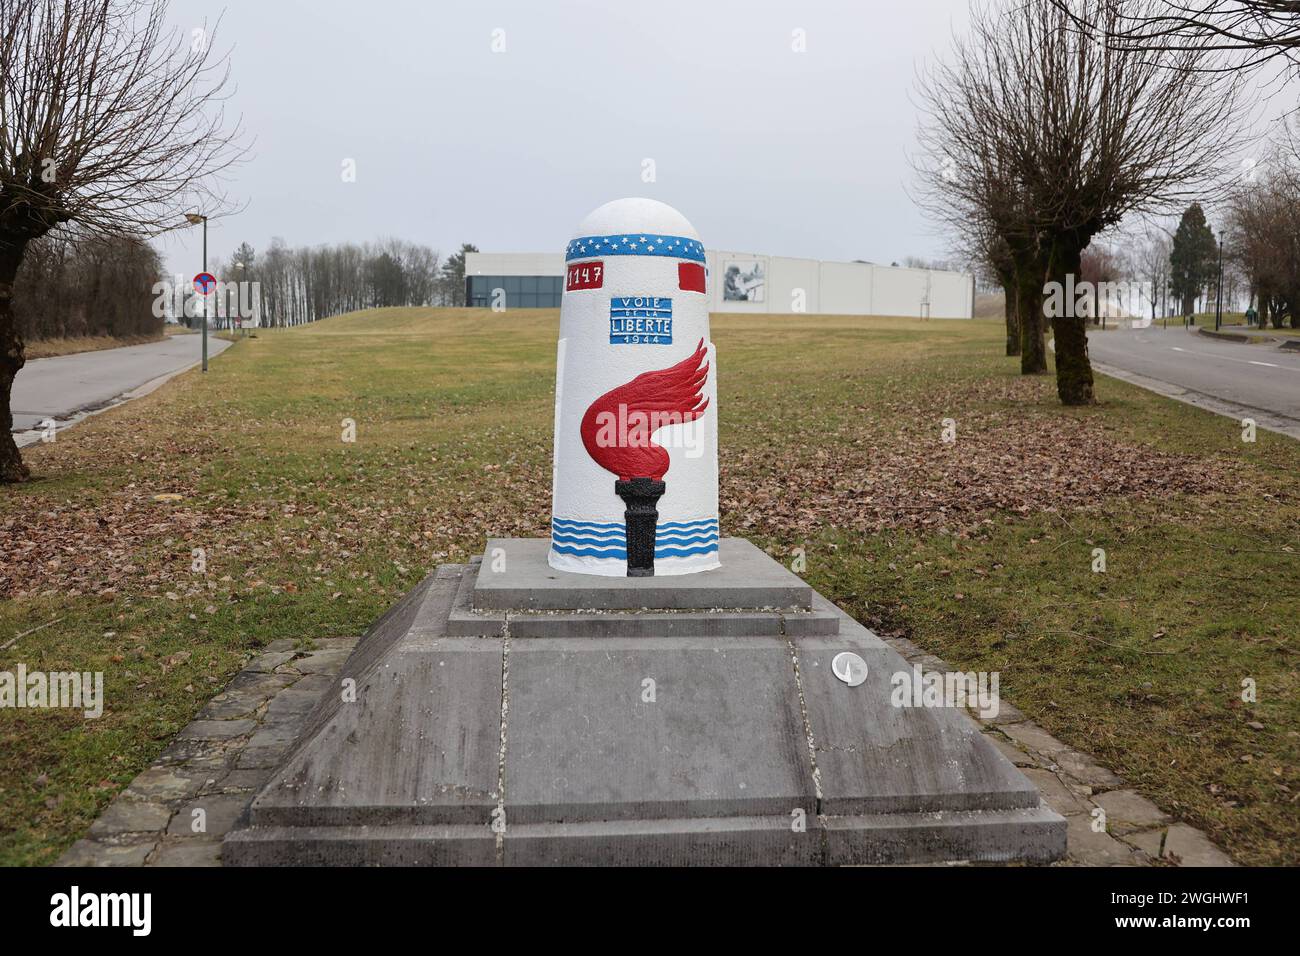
[(635, 475)]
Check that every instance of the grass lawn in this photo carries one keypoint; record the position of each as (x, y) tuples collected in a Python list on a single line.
[(981, 550), (49, 348)]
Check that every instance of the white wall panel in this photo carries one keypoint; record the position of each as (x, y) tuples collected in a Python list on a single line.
[(832, 288)]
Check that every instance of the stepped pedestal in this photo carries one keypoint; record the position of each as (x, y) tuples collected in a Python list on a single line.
[(509, 713)]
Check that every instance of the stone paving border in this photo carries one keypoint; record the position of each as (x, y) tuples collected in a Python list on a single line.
[(220, 760), (216, 764)]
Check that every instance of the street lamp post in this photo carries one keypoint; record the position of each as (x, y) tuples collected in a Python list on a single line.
[(235, 313), (1218, 292), (194, 219)]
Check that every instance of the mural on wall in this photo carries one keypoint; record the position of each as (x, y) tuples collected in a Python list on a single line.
[(635, 479), (744, 280)]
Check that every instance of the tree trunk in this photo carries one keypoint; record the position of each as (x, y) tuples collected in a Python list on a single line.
[(12, 359), (1073, 368), (1029, 311), (1009, 307)]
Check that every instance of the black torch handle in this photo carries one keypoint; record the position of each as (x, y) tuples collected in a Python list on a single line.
[(640, 495)]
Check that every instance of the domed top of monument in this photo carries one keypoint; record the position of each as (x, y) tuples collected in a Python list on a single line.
[(639, 215)]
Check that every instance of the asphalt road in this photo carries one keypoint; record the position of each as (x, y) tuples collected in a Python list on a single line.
[(1260, 377), (67, 386)]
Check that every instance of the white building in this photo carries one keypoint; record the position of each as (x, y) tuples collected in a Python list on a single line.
[(746, 282)]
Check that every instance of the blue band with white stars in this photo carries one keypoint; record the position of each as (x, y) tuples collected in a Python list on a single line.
[(634, 244)]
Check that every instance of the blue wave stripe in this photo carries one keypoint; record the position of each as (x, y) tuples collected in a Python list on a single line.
[(684, 552), (618, 525), (589, 535), (621, 554), (620, 540)]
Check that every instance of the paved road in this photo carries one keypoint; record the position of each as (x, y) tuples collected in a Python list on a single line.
[(65, 387), (1254, 377)]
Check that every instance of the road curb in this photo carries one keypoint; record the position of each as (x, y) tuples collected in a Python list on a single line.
[(1270, 421)]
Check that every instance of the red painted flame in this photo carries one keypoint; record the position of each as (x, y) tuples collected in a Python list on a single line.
[(617, 428)]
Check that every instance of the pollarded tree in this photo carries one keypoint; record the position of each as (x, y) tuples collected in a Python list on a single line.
[(967, 183), (1083, 134), (1262, 31), (110, 124)]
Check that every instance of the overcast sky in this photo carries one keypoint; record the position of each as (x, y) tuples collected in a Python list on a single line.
[(762, 148)]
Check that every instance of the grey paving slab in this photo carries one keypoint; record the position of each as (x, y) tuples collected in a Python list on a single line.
[(875, 757), (1087, 771), (420, 743), (1059, 797), (316, 683), (239, 781), (395, 845), (466, 620), (320, 662), (1188, 846), (125, 815), (731, 841), (260, 758), (1020, 758), (1090, 847), (748, 578), (232, 705), (219, 812), (1127, 810), (670, 624), (217, 729), (293, 701), (164, 784), (993, 836), (1034, 737), (652, 728), (94, 853), (261, 684), (266, 663), (187, 853)]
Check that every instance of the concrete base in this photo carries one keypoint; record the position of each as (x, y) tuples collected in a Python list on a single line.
[(632, 746), (514, 576)]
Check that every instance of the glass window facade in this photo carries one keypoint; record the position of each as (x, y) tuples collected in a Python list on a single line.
[(521, 292)]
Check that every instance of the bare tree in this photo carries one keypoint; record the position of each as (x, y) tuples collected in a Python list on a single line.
[(967, 183), (109, 122), (1150, 261), (1066, 136), (1263, 241), (1262, 30)]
